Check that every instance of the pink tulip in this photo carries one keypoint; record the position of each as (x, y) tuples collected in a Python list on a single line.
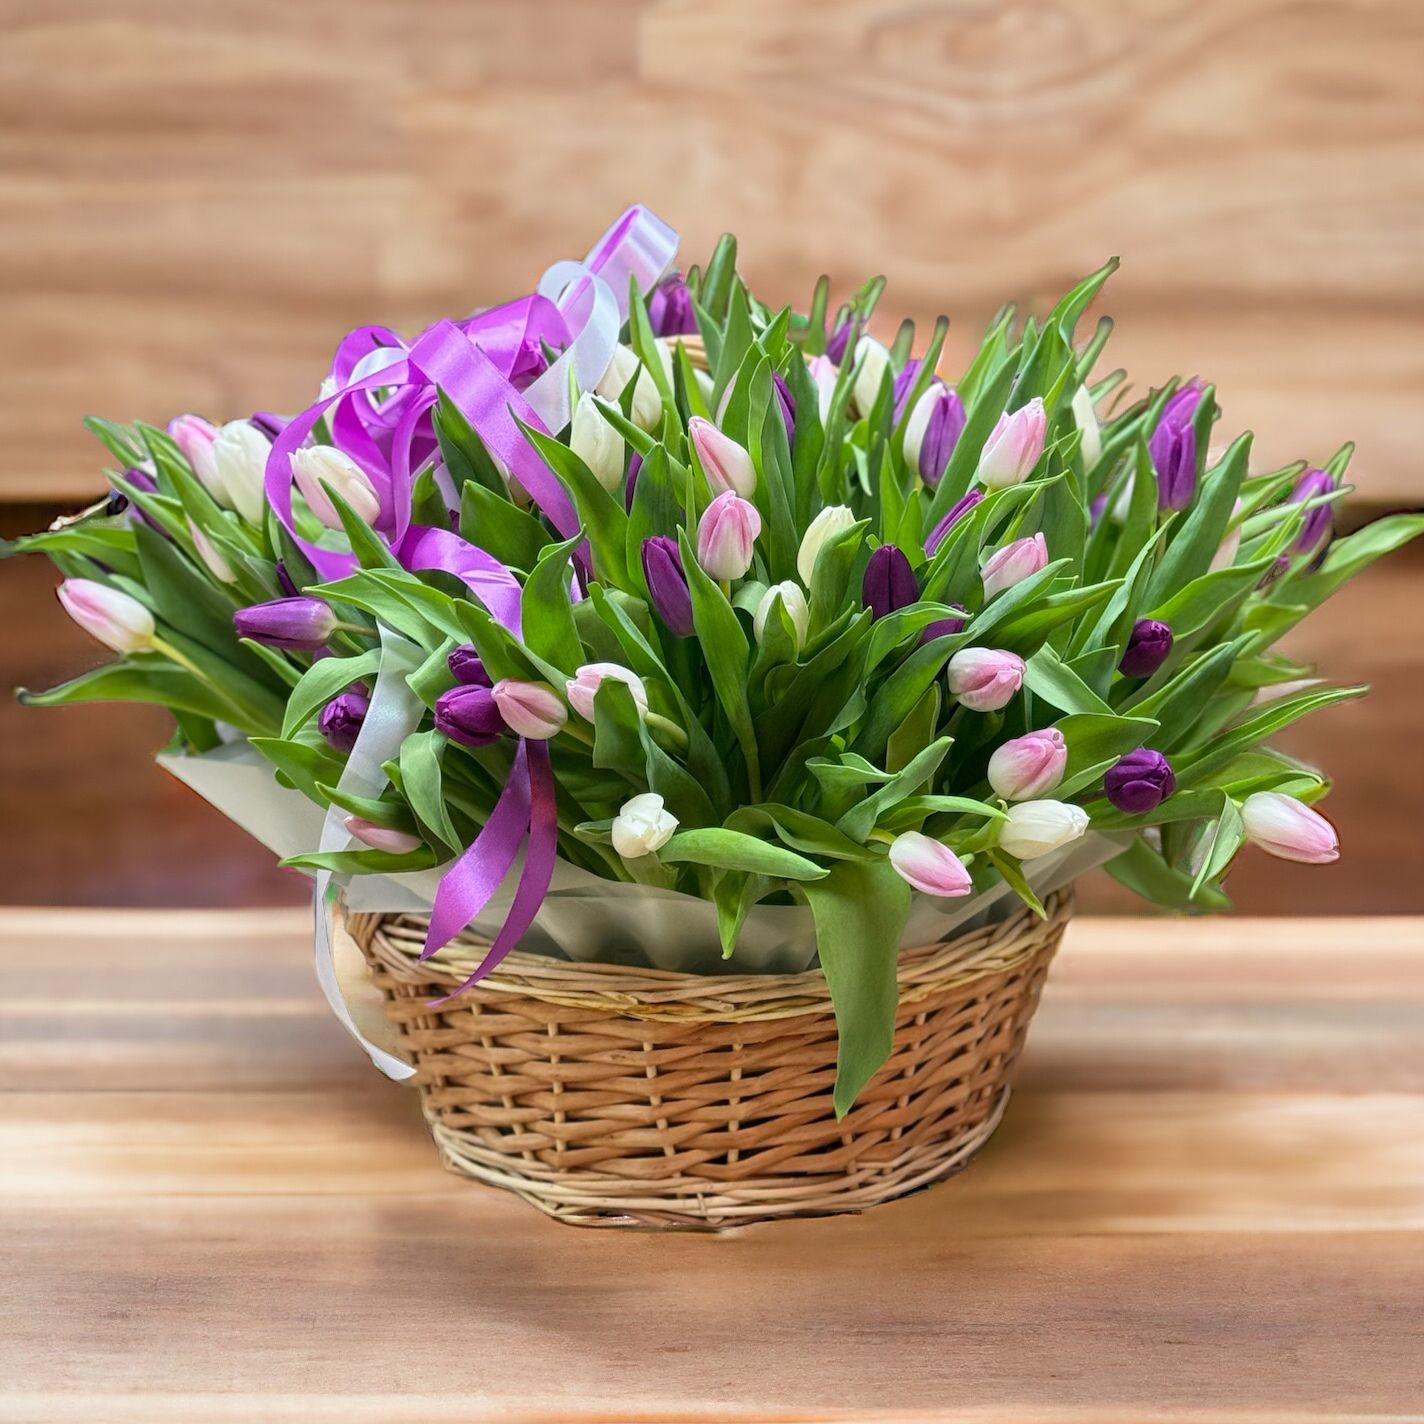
[(113, 617), (194, 438), (589, 678), (726, 464), (984, 679), (211, 555), (382, 837), (929, 866), (1027, 767), (1285, 827), (1015, 446), (530, 709), (726, 536), (1014, 563)]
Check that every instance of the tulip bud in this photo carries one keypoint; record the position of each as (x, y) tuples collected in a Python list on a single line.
[(116, 619), (299, 625), (1285, 827), (1315, 527), (984, 679), (822, 370), (1148, 645), (874, 362), (194, 438), (530, 709), (670, 309), (793, 600), (929, 866), (324, 466), (904, 383), (1173, 448), (845, 333), (932, 432), (957, 511), (1090, 433), (832, 520), (726, 537), (725, 463), (1035, 828), (1014, 447), (211, 555), (268, 424), (341, 719), (1028, 766), (469, 715), (642, 826), (944, 627), (240, 455), (1014, 563), (1140, 781), (889, 582), (596, 443), (785, 405), (582, 686), (646, 408), (382, 837), (466, 667), (667, 584)]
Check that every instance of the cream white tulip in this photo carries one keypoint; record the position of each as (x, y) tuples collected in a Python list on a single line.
[(240, 463), (1035, 828), (874, 362), (642, 826), (832, 520), (320, 467), (1090, 432), (597, 443), (793, 600), (646, 410)]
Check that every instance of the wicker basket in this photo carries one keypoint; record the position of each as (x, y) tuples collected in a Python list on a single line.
[(639, 1097)]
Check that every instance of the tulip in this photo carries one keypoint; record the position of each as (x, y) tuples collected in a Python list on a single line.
[(1034, 828), (1147, 648), (194, 438), (1014, 447), (932, 432), (1173, 448), (116, 619), (957, 511), (624, 368), (240, 455), (268, 424), (929, 866), (642, 826), (842, 337), (1090, 433), (1014, 563), (944, 627), (467, 667), (1140, 781), (323, 467), (584, 684), (889, 582), (285, 580), (726, 464), (630, 484), (382, 837), (726, 536), (1026, 767), (905, 379), (211, 555), (596, 443), (667, 584), (793, 600), (1285, 827), (469, 715), (822, 370), (299, 625), (670, 309), (984, 679), (832, 520), (785, 404), (1316, 526), (530, 709), (341, 719), (874, 362)]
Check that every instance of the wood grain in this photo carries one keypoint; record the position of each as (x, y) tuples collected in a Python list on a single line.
[(1206, 1203), (195, 202)]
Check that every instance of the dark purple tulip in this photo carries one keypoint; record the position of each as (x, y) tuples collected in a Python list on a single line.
[(468, 715), (1318, 521), (529, 361), (1173, 448), (956, 512), (341, 719), (1139, 782), (141, 480), (786, 403), (670, 310), (269, 424), (667, 584), (1096, 510), (904, 384), (945, 627), (467, 669), (941, 433), (285, 580), (299, 625), (844, 337), (635, 463), (889, 582), (1147, 647)]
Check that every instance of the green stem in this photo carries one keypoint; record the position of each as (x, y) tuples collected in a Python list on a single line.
[(243, 717), (669, 729)]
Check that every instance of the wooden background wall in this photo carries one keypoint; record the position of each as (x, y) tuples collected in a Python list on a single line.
[(196, 200)]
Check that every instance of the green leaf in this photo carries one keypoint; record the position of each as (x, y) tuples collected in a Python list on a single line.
[(322, 681), (799, 830), (1017, 881), (1047, 676), (422, 780), (500, 527), (1094, 739), (917, 775), (733, 850), (548, 620), (1145, 873)]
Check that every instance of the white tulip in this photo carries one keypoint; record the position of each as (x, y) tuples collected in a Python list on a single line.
[(832, 520), (646, 410), (116, 619), (642, 826), (1086, 416), (1034, 828), (597, 443), (240, 463), (792, 600), (874, 362), (319, 467)]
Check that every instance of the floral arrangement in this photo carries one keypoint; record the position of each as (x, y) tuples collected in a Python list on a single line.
[(731, 601)]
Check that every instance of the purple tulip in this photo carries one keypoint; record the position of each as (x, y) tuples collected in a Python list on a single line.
[(786, 404), (269, 424), (144, 482), (904, 383), (341, 719), (1173, 448), (933, 430), (467, 668), (285, 580), (889, 582), (298, 625), (468, 715), (1319, 521), (1147, 647), (670, 309), (1140, 781), (956, 512), (529, 362), (842, 339), (667, 584), (635, 464), (945, 627), (1096, 510)]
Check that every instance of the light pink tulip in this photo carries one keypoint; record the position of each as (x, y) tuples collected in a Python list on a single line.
[(530, 709), (1014, 563), (382, 837), (322, 467), (113, 617), (589, 678), (1015, 446), (726, 464), (984, 679), (824, 372), (1029, 766), (929, 866), (726, 536), (194, 438), (211, 555), (1285, 827)]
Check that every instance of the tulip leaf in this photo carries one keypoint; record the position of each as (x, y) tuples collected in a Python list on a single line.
[(734, 850), (322, 681), (548, 620), (1143, 871)]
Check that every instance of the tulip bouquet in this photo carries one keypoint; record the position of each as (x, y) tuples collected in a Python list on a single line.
[(740, 604)]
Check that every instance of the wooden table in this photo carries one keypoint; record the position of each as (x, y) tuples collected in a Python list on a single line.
[(1206, 1203)]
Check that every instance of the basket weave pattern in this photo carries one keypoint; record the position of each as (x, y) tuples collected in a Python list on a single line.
[(608, 1095)]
